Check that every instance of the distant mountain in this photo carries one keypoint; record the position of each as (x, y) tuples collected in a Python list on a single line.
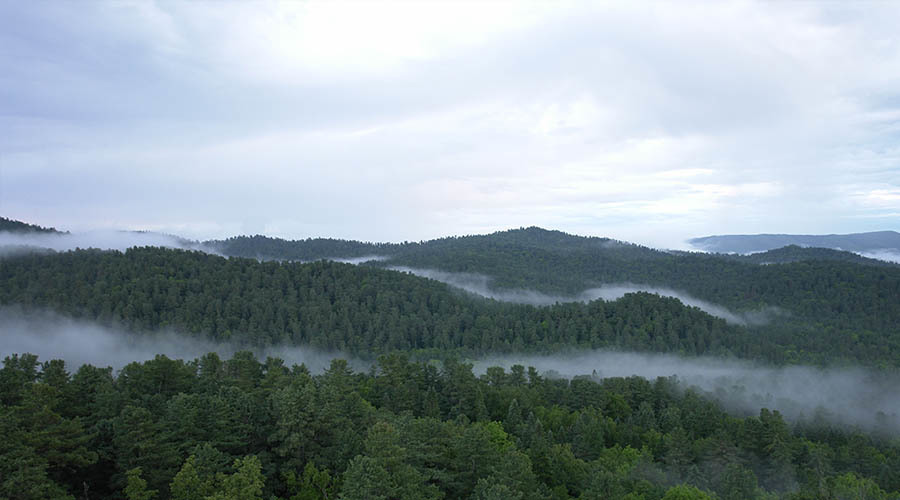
[(748, 243), (15, 226)]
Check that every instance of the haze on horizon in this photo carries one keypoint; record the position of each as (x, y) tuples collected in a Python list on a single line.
[(649, 123)]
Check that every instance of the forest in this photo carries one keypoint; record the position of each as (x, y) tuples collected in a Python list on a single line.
[(243, 429), (367, 311), (421, 423)]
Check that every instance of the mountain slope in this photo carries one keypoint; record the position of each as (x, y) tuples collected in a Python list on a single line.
[(359, 309), (365, 310), (816, 295)]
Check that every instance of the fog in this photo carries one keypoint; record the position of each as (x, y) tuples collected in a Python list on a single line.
[(851, 396), (888, 255), (78, 342), (844, 396), (480, 285), (358, 260), (13, 243)]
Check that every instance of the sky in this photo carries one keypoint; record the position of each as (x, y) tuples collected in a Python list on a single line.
[(646, 122)]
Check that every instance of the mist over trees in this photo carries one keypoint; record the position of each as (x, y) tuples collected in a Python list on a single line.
[(420, 423), (242, 428), (745, 243), (363, 309)]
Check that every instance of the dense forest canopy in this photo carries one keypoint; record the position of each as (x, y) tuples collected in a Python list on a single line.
[(364, 310), (244, 429), (420, 423)]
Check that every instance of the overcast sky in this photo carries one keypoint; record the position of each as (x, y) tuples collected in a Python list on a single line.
[(648, 122)]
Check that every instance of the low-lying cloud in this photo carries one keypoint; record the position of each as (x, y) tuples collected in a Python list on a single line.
[(480, 285), (852, 396), (840, 396), (358, 260), (52, 336), (888, 255), (14, 243)]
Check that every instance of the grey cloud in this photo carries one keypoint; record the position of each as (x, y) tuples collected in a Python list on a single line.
[(125, 109)]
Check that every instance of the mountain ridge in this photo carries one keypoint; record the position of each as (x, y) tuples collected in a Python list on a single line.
[(748, 243)]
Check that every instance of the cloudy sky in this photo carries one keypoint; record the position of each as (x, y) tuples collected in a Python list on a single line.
[(648, 122)]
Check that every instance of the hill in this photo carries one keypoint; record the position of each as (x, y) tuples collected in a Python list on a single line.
[(747, 243), (794, 253), (357, 309), (367, 310), (811, 297), (15, 226)]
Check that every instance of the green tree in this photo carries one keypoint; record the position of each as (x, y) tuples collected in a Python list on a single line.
[(686, 492), (136, 487)]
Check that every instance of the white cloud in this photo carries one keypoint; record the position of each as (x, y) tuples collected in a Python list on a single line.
[(650, 122)]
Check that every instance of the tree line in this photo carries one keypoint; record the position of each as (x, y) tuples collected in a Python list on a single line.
[(244, 429), (365, 311)]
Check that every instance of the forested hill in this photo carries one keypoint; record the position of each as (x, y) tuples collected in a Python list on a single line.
[(330, 305), (819, 293), (15, 226), (534, 238), (823, 295), (746, 243), (267, 248), (818, 288), (556, 262), (794, 253), (365, 310), (212, 428)]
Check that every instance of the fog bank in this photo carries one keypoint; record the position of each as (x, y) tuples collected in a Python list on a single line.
[(480, 285), (888, 255), (844, 396), (358, 260), (52, 336), (14, 243)]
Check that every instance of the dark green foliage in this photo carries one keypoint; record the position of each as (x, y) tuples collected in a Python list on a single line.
[(264, 431), (822, 297), (15, 226), (240, 428), (364, 310), (266, 248), (794, 253), (339, 306)]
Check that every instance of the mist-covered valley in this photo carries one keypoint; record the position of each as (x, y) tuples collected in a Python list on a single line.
[(78, 342), (481, 285), (850, 396), (12, 243), (768, 385), (449, 250)]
